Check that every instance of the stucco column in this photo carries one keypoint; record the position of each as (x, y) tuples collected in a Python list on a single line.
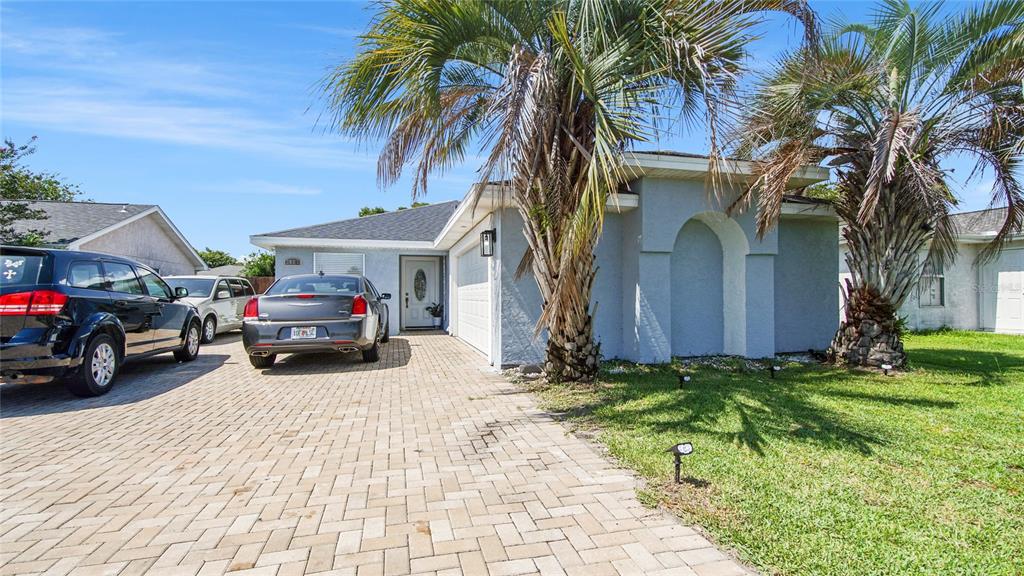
[(652, 308), (760, 305)]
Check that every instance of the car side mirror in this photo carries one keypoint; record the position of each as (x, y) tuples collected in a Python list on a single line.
[(180, 292), (223, 294), (385, 296)]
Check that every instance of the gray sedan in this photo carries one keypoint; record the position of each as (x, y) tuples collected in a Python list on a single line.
[(315, 313)]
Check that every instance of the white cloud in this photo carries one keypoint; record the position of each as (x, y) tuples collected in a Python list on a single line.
[(262, 187), (85, 81)]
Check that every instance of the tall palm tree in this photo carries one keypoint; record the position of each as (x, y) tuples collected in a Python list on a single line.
[(555, 91), (887, 104)]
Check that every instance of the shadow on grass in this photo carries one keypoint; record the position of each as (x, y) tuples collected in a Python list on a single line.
[(984, 367), (741, 407)]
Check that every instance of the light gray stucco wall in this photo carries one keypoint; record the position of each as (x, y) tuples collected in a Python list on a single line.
[(147, 241), (521, 301), (697, 308), (806, 284), (964, 308), (381, 267)]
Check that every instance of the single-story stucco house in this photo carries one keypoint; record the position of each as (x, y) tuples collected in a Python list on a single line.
[(142, 232), (969, 294), (676, 275)]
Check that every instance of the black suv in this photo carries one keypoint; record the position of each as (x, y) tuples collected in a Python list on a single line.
[(79, 315)]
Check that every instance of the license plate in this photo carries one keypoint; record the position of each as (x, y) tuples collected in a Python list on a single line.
[(304, 333)]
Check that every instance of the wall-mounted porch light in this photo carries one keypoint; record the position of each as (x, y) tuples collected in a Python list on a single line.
[(487, 240)]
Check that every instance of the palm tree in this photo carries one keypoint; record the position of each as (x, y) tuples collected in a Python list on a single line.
[(887, 104), (555, 92)]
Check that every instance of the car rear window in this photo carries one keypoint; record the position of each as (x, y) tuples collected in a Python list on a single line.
[(197, 287), (20, 269), (321, 285), (85, 274)]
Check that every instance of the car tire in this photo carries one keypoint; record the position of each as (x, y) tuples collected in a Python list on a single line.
[(385, 336), (100, 365), (262, 361), (190, 347), (372, 354), (209, 329)]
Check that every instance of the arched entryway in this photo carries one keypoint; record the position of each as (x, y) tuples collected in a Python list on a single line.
[(709, 287)]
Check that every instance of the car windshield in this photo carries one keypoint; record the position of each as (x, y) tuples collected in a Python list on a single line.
[(316, 285), (197, 287), (20, 269)]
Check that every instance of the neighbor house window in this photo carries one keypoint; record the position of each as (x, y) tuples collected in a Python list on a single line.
[(931, 290)]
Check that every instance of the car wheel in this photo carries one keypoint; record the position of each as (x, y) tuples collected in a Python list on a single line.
[(209, 329), (385, 336), (190, 348), (99, 368), (372, 354), (262, 361)]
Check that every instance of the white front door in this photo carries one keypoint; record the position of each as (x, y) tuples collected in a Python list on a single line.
[(419, 290)]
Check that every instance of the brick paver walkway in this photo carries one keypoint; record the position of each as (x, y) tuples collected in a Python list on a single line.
[(427, 463)]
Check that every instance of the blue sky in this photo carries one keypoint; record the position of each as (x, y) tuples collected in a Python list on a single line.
[(209, 110)]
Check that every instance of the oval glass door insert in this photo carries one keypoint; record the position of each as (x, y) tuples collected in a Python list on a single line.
[(419, 284)]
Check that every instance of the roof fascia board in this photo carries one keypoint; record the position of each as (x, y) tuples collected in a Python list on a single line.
[(642, 162), (270, 242)]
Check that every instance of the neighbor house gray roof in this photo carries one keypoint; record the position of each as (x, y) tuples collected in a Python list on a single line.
[(980, 221), (412, 224), (69, 221)]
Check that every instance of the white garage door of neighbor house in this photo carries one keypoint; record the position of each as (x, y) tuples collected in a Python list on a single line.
[(338, 263), (1007, 276), (473, 291)]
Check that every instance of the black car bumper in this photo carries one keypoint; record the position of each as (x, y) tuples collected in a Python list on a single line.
[(264, 338), (24, 363)]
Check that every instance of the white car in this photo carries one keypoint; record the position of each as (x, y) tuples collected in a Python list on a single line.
[(219, 299)]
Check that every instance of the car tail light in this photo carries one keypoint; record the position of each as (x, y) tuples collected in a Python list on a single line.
[(36, 303), (252, 308), (359, 306)]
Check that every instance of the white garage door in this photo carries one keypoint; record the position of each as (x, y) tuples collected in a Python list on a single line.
[(473, 291), (1006, 275)]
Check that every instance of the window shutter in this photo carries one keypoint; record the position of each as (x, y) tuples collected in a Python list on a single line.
[(338, 263)]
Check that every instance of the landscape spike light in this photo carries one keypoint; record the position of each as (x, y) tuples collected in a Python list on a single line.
[(885, 368), (678, 451), (774, 369), (683, 379)]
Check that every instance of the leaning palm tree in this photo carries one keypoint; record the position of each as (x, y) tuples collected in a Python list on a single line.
[(554, 92), (886, 104)]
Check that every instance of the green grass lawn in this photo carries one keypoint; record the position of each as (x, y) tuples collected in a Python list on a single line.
[(828, 471)]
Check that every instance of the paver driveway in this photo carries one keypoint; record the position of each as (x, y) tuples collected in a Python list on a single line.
[(426, 463)]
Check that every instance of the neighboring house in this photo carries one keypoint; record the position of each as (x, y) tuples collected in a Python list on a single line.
[(138, 231), (676, 276), (968, 294)]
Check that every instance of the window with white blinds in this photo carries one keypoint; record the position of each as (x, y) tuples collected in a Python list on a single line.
[(338, 262)]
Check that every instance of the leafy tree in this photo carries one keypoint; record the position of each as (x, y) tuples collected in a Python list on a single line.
[(557, 91), (19, 186), (369, 211), (822, 191), (215, 258), (885, 104), (258, 263)]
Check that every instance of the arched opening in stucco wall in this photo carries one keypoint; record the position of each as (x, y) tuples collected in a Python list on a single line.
[(709, 287)]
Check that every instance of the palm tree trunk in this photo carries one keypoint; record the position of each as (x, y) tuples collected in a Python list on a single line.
[(572, 354), (869, 335)]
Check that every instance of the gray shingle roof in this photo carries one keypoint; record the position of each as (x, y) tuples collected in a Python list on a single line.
[(980, 221), (412, 224), (69, 221)]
